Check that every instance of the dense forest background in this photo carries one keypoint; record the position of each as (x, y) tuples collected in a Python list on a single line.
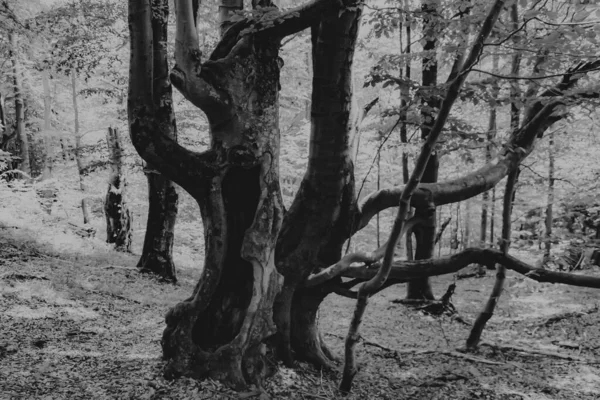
[(86, 43), (63, 87)]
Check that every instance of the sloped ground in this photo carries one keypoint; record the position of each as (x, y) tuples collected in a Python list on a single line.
[(84, 325)]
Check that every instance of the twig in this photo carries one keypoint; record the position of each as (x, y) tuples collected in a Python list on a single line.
[(441, 231), (117, 296), (540, 352), (452, 353)]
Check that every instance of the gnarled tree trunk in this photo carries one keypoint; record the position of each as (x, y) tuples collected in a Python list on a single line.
[(321, 216), (118, 217), (220, 331)]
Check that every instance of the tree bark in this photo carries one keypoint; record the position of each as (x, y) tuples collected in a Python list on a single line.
[(157, 251), (221, 330), (19, 106), (378, 187), (404, 100), (425, 231), (5, 135), (118, 217), (78, 150), (320, 218)]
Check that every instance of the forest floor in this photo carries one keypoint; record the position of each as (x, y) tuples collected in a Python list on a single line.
[(86, 325)]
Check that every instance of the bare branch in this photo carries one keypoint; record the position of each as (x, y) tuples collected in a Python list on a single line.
[(150, 116), (295, 20), (404, 271), (378, 280), (276, 24), (542, 114), (346, 262), (189, 75)]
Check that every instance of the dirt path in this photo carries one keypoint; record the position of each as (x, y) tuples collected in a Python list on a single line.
[(87, 326)]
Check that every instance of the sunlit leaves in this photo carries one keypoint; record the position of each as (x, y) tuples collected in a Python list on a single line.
[(83, 35)]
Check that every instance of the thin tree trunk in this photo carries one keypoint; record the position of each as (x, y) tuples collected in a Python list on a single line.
[(63, 149), (307, 100), (425, 231), (157, 252), (491, 135), (378, 187), (5, 136), (404, 99), (467, 223), (488, 311), (440, 233), (374, 284), (78, 150), (550, 204), (48, 145), (19, 106), (485, 199), (454, 239), (118, 217), (492, 216), (507, 206)]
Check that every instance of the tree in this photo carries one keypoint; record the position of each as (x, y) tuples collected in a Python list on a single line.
[(49, 162), (19, 105), (90, 49), (118, 217), (157, 252), (425, 231), (550, 204), (78, 149), (235, 184), (240, 310)]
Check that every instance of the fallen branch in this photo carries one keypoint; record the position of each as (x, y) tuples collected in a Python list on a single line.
[(404, 271), (22, 277), (540, 352), (116, 296)]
